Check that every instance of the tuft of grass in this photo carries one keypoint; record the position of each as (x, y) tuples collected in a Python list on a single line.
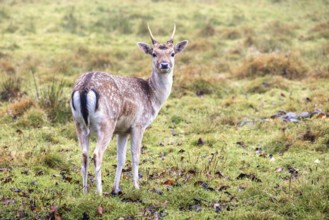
[(208, 30), (54, 161), (279, 29), (52, 100), (230, 34), (10, 89), (267, 44), (265, 84), (286, 65), (320, 30), (33, 118), (20, 106)]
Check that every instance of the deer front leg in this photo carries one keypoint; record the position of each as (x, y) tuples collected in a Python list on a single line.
[(83, 136), (121, 159), (136, 141), (104, 137)]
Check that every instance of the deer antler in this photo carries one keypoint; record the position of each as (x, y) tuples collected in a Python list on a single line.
[(154, 41), (171, 40)]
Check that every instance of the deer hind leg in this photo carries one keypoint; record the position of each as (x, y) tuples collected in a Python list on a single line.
[(136, 141), (121, 159), (83, 136), (104, 134)]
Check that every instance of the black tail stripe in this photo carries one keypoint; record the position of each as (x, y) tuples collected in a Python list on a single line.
[(72, 101), (97, 98), (84, 108)]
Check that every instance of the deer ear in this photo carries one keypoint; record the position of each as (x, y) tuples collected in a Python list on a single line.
[(179, 47), (145, 47)]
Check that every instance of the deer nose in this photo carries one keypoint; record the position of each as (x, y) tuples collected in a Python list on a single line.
[(164, 65)]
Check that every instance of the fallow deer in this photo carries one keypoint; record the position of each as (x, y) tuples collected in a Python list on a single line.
[(108, 104)]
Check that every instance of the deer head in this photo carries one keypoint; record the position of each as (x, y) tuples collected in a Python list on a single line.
[(163, 55)]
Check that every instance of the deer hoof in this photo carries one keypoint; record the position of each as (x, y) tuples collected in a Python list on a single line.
[(116, 192)]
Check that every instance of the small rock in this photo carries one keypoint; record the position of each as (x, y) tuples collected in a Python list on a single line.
[(158, 191), (293, 171), (278, 114), (304, 115), (307, 99), (199, 93), (291, 115), (246, 121), (156, 216), (278, 170), (162, 213), (7, 201), (217, 207), (259, 150), (222, 188), (241, 144), (265, 84), (196, 208), (201, 141), (25, 172), (34, 182), (295, 120)]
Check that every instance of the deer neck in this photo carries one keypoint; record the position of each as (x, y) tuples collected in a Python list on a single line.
[(161, 85)]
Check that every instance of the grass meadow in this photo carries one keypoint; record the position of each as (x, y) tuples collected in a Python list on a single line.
[(244, 134)]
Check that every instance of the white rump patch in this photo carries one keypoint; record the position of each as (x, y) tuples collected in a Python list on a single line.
[(91, 102), (77, 105), (94, 116)]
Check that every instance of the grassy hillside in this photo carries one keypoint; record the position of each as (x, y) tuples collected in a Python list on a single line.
[(244, 135)]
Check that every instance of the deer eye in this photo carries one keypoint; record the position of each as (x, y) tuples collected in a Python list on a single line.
[(154, 55), (172, 54)]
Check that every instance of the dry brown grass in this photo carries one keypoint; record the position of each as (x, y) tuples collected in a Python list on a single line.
[(6, 157), (230, 34), (200, 45), (20, 106), (83, 58), (320, 73), (7, 66), (33, 118), (197, 79), (218, 119), (280, 29), (286, 65), (325, 50), (321, 26), (207, 31), (320, 30), (262, 85)]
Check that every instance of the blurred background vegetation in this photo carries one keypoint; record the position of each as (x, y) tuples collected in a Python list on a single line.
[(219, 133)]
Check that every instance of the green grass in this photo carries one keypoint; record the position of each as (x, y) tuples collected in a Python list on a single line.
[(245, 61)]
